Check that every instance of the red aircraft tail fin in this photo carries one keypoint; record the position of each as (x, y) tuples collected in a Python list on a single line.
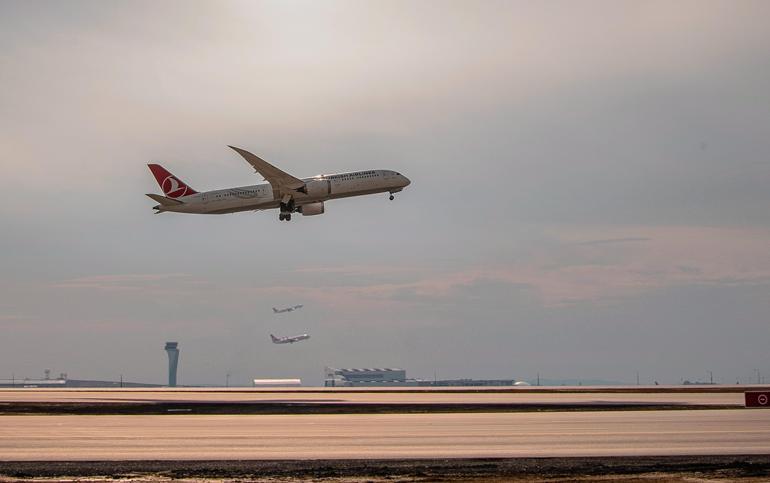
[(172, 186)]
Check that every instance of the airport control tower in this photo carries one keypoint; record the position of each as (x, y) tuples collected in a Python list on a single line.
[(173, 359)]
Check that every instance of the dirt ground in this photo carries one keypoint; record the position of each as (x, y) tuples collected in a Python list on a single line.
[(749, 468)]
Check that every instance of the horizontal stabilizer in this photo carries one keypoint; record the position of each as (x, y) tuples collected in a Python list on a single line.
[(163, 200)]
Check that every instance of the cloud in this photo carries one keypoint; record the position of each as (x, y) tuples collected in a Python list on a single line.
[(608, 241), (115, 282), (356, 270), (15, 320), (670, 256), (599, 271)]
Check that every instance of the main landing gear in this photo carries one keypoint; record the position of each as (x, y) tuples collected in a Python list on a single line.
[(286, 211)]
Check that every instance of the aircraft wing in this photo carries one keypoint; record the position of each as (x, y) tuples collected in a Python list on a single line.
[(282, 182)]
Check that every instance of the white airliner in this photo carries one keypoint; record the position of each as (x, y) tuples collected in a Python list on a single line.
[(282, 190), (287, 309), (289, 340)]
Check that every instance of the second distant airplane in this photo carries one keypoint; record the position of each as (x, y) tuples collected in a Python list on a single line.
[(282, 190), (289, 340), (287, 309)]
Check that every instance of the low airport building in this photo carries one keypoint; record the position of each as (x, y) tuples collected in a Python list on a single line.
[(47, 383), (63, 382), (468, 382), (277, 382)]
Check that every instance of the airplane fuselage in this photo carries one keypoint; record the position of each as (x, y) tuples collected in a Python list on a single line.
[(287, 309), (289, 340), (317, 189)]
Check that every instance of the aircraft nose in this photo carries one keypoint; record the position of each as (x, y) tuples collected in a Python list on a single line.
[(406, 180)]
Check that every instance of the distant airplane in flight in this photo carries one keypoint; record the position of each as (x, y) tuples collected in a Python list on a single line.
[(282, 190), (289, 340), (287, 309)]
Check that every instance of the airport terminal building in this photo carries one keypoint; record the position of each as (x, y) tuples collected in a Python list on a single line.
[(364, 377), (395, 377)]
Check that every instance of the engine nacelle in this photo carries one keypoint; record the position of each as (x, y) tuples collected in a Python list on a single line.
[(311, 209)]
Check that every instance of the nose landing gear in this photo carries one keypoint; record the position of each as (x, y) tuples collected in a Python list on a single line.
[(393, 192)]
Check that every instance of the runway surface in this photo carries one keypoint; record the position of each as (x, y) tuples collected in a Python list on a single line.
[(467, 435), (582, 395)]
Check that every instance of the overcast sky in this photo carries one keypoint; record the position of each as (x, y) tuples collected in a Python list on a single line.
[(590, 188)]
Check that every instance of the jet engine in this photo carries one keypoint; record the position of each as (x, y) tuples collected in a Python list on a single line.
[(311, 209)]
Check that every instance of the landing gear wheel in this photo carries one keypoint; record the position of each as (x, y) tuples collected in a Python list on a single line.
[(288, 217), (392, 197), (281, 217)]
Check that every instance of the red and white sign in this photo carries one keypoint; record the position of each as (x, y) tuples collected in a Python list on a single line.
[(757, 399)]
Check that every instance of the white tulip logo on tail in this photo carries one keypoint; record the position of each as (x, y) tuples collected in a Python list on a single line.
[(171, 186)]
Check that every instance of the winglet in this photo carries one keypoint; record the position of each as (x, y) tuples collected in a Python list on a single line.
[(248, 156)]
